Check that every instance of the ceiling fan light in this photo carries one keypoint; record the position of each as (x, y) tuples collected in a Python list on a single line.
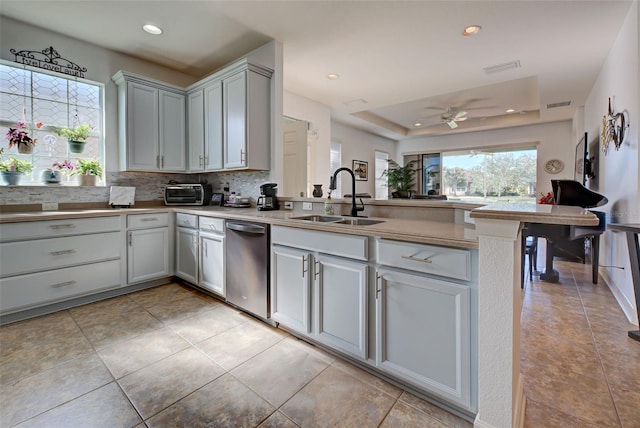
[(333, 76), (152, 29), (509, 110), (471, 30), (417, 124)]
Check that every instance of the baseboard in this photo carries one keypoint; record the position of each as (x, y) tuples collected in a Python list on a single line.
[(624, 303), (520, 403)]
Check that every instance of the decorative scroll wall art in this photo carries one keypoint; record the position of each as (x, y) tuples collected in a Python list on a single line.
[(614, 127), (49, 59)]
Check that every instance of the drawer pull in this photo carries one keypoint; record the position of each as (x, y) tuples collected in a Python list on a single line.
[(63, 284), (418, 259), (62, 226), (62, 252), (150, 219)]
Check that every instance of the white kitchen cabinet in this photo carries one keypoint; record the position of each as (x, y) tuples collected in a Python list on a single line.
[(195, 128), (205, 128), (246, 126), (290, 288), (211, 266), (340, 304), (423, 333), (147, 247), (187, 254), (152, 122)]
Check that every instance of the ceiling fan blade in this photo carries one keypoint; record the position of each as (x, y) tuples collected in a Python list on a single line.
[(471, 101), (435, 108), (459, 115), (452, 124)]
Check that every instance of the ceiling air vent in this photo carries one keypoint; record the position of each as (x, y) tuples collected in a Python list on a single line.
[(502, 67), (559, 104)]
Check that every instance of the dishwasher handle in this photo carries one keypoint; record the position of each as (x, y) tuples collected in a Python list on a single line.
[(247, 228)]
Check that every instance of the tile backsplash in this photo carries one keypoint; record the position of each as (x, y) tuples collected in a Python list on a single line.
[(149, 187)]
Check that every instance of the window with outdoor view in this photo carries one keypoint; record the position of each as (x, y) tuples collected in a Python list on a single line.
[(490, 175), (35, 109)]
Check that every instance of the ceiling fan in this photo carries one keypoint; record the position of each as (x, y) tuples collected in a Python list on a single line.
[(451, 115)]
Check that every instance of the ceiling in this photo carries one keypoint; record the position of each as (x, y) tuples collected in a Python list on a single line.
[(398, 62)]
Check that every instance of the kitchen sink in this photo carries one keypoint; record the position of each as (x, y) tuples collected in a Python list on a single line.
[(338, 220), (359, 221), (319, 218)]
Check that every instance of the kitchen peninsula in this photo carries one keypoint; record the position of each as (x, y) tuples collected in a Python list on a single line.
[(488, 381)]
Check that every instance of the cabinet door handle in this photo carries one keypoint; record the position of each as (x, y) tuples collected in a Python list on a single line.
[(206, 248), (200, 161), (63, 226), (304, 259), (242, 156), (158, 162), (162, 161), (206, 161), (130, 238), (63, 284), (418, 259), (62, 252), (316, 266), (378, 288)]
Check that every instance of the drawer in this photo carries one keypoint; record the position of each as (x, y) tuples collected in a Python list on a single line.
[(449, 262), (212, 224), (24, 291), (37, 255), (351, 246), (53, 228), (140, 221), (187, 220)]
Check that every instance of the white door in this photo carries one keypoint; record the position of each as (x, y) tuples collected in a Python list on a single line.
[(147, 254), (340, 306), (212, 275), (172, 131), (295, 157), (235, 121), (142, 127), (213, 135), (422, 333), (290, 294), (187, 254), (195, 105)]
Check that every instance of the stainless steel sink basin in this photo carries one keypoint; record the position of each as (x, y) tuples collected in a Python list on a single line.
[(359, 221), (318, 218)]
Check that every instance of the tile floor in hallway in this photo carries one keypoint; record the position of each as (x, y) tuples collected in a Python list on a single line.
[(172, 357)]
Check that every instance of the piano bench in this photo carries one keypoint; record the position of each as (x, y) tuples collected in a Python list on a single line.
[(530, 249)]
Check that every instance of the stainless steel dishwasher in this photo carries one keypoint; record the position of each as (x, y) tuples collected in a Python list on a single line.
[(247, 266)]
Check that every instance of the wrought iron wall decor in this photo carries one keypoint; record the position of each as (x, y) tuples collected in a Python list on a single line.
[(49, 59), (614, 126)]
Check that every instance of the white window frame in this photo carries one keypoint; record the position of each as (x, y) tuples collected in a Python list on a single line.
[(335, 162), (381, 180)]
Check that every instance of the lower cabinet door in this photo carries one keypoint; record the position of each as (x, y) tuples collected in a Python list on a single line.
[(423, 333), (341, 304), (212, 275), (147, 254), (36, 289), (187, 254), (290, 297)]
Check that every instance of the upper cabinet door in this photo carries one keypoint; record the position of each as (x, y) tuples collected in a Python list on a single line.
[(213, 127), (195, 113), (142, 127), (172, 116), (235, 117)]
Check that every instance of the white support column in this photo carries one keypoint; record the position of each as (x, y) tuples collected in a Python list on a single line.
[(500, 388)]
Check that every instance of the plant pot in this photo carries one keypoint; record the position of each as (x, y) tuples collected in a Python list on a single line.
[(402, 194), (88, 180), (25, 148), (11, 178), (75, 146), (50, 176)]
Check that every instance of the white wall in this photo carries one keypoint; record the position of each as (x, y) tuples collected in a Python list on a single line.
[(618, 170), (319, 118), (360, 145), (553, 140)]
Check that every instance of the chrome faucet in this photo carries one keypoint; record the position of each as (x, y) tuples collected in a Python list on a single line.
[(332, 186)]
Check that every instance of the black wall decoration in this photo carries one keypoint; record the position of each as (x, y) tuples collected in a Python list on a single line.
[(49, 59), (614, 126)]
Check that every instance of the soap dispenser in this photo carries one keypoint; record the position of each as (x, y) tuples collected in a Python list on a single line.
[(328, 205)]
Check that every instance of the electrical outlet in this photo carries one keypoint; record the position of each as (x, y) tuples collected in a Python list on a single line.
[(307, 206), (49, 206), (288, 205)]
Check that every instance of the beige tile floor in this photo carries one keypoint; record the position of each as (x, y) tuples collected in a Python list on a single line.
[(170, 356)]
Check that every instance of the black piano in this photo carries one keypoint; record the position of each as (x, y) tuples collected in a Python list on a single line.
[(569, 241)]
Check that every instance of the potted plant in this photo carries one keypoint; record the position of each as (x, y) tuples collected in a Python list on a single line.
[(13, 169), (88, 170), (76, 137), (19, 137), (401, 178), (53, 174)]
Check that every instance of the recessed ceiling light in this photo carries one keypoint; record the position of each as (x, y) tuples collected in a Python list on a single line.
[(152, 29), (417, 124), (471, 30), (333, 76), (510, 110)]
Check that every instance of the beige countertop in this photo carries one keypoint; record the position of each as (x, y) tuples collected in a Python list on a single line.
[(538, 213)]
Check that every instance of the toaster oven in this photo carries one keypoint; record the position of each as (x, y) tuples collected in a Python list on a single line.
[(187, 194)]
